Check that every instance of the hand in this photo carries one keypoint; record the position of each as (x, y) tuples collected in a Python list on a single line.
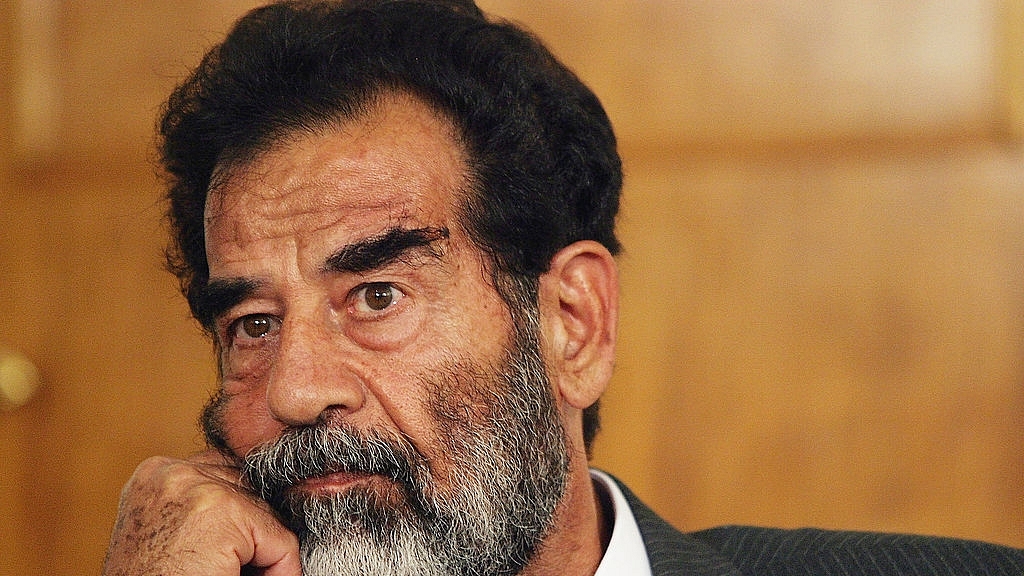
[(194, 517)]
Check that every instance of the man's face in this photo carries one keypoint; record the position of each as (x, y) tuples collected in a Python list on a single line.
[(370, 369)]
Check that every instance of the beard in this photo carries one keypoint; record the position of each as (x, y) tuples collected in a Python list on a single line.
[(482, 508)]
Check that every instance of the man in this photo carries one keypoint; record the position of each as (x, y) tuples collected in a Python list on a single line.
[(396, 221)]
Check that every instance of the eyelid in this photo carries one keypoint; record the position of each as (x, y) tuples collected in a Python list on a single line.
[(233, 328), (357, 300), (252, 305)]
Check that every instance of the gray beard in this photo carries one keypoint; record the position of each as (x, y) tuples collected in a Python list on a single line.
[(505, 465)]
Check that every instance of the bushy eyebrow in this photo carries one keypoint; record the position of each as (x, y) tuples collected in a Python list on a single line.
[(218, 296), (396, 245)]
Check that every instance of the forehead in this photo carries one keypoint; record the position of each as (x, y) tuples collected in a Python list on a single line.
[(398, 162)]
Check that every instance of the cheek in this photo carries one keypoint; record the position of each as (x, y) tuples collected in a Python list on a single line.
[(247, 423)]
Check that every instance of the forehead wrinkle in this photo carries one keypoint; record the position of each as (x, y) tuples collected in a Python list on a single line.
[(304, 184), (259, 212), (372, 177)]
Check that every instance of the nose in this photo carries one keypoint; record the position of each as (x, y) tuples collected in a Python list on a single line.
[(310, 376)]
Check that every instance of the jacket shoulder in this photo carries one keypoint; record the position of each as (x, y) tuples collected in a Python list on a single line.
[(781, 552)]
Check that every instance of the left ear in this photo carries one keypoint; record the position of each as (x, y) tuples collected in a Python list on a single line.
[(579, 309)]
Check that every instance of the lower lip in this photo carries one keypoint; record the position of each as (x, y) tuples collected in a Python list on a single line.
[(335, 482)]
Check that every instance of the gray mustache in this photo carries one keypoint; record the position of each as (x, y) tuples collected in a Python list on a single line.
[(322, 449)]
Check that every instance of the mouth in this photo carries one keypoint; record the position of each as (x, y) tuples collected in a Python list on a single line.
[(334, 482), (363, 490)]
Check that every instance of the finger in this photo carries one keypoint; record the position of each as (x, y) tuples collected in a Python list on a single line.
[(218, 466), (213, 458), (275, 549)]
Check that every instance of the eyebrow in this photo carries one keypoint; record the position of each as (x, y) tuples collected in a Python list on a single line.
[(218, 296), (398, 244), (395, 245)]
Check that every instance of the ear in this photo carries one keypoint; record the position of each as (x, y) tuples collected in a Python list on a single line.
[(579, 308)]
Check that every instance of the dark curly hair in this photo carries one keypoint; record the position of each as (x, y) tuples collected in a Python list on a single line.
[(543, 162)]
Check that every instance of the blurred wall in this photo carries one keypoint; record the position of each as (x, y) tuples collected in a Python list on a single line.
[(822, 284)]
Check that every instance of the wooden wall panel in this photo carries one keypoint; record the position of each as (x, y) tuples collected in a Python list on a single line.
[(124, 370), (755, 71), (825, 340), (822, 284), (112, 63), (1011, 67)]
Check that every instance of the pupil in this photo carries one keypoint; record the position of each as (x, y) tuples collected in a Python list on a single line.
[(256, 327), (379, 296)]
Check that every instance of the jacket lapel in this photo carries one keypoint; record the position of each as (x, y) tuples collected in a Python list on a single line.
[(673, 553)]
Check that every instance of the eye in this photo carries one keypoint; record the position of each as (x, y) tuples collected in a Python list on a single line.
[(376, 297), (254, 326)]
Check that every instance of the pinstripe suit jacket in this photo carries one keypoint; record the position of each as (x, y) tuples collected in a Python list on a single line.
[(748, 551)]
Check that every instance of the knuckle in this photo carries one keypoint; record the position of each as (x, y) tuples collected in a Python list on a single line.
[(151, 466), (173, 507)]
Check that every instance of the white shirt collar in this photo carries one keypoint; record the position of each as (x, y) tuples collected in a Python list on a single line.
[(626, 554)]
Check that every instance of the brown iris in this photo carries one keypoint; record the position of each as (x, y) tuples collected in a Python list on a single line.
[(256, 326), (379, 296)]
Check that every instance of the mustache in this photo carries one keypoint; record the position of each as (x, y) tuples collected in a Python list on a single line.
[(321, 449)]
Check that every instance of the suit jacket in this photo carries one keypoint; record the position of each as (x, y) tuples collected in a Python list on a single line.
[(749, 551)]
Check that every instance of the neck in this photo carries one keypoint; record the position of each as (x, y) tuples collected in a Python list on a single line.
[(580, 535)]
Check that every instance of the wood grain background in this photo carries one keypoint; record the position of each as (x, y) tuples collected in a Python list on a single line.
[(823, 279)]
